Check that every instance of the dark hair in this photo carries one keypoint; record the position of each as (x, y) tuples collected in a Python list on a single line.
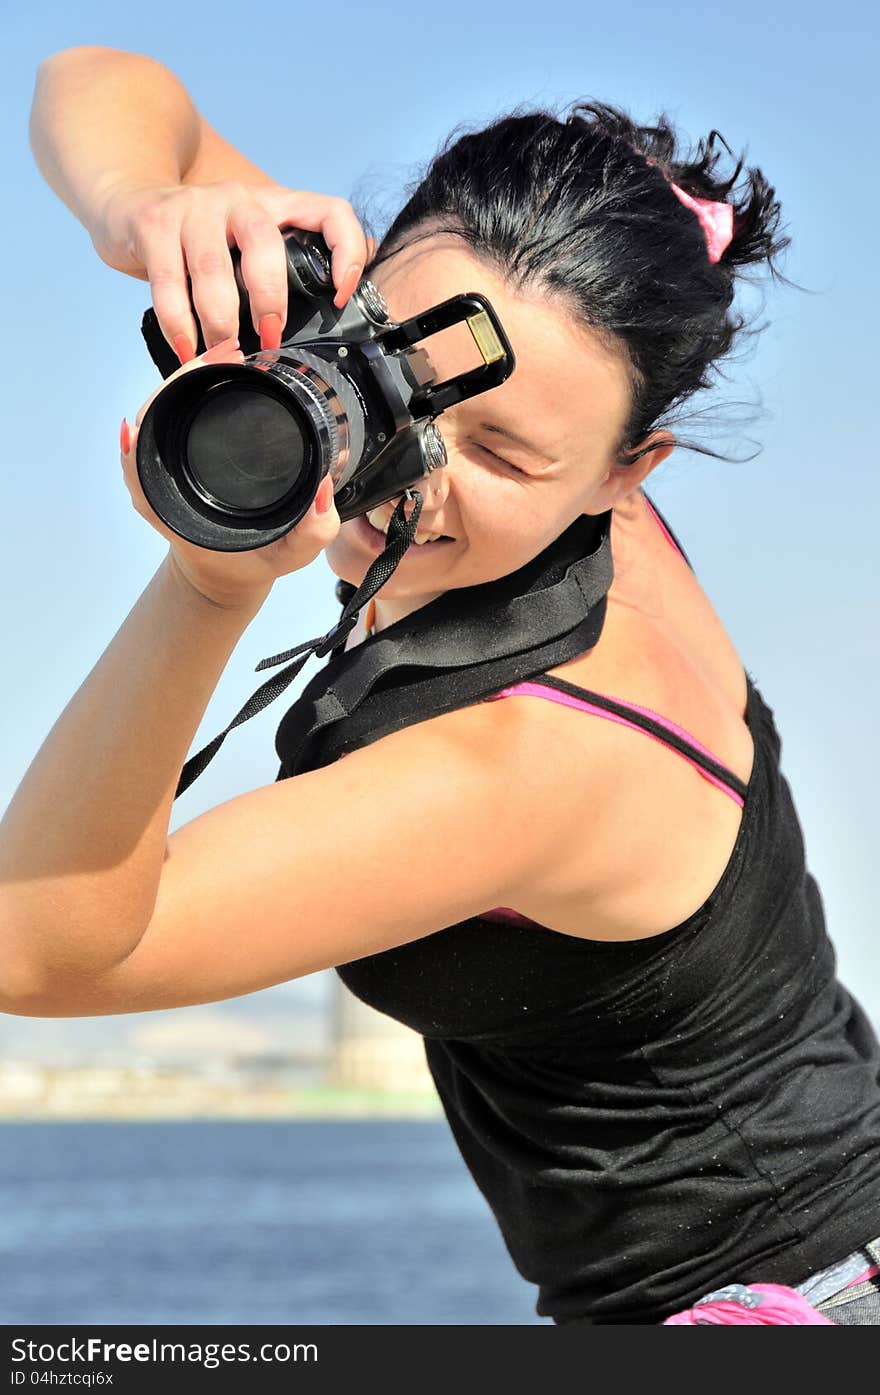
[(582, 207)]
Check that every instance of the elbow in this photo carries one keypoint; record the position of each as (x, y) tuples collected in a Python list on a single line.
[(73, 54), (37, 990), (55, 65), (90, 56), (31, 990), (24, 994), (54, 960)]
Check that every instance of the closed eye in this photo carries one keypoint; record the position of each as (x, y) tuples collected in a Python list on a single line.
[(509, 463)]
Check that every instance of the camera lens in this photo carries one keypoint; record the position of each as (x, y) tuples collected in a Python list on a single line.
[(230, 455), (244, 451)]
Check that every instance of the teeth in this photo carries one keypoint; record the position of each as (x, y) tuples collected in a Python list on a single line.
[(378, 520)]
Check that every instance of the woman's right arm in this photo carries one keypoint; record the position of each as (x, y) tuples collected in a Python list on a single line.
[(162, 195)]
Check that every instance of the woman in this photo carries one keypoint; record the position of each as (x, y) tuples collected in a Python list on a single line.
[(612, 945)]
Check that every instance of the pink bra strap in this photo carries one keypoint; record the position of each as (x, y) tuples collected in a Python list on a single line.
[(663, 529), (538, 689)]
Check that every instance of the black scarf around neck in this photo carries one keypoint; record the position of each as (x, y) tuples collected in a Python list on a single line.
[(456, 650)]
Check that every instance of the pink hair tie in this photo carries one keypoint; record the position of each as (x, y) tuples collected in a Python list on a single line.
[(716, 220)]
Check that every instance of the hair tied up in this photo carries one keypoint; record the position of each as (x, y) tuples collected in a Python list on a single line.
[(716, 220), (577, 205)]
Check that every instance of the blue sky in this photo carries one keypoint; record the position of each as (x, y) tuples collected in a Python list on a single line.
[(354, 101)]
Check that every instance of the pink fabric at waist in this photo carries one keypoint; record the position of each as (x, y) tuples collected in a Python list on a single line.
[(765, 1304)]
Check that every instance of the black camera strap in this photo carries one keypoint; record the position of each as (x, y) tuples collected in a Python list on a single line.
[(458, 649), (401, 533), (464, 646)]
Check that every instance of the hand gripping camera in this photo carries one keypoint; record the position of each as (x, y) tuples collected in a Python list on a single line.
[(230, 456)]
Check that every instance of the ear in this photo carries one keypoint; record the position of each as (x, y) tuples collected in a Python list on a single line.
[(625, 479)]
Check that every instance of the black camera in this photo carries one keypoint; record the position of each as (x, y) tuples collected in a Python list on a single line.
[(230, 456)]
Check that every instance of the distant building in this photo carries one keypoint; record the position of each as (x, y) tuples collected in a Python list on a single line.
[(372, 1050), (21, 1081)]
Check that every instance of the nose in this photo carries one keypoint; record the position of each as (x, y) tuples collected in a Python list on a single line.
[(435, 487)]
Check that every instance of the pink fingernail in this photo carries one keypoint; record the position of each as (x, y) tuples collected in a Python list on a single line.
[(183, 348), (348, 284), (125, 437), (270, 332), (324, 496)]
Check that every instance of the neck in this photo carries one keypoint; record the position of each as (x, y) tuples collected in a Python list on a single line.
[(388, 612), (382, 612)]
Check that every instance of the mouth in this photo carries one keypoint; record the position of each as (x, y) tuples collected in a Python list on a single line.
[(374, 528)]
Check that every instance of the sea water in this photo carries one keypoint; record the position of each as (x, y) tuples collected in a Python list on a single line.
[(371, 1221)]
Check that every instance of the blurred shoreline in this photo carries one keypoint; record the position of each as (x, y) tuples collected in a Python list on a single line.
[(32, 1093)]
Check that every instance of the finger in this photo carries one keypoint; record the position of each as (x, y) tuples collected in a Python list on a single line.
[(214, 290), (317, 529), (325, 530), (337, 222), (263, 269), (166, 272)]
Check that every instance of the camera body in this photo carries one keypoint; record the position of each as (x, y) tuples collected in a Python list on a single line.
[(230, 456)]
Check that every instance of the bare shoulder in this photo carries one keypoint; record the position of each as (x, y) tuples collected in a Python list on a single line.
[(526, 745), (533, 741), (532, 762), (558, 775)]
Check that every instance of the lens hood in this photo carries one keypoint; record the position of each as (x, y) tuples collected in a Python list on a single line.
[(230, 456)]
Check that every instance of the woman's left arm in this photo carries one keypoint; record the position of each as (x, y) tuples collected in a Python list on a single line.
[(102, 911), (83, 840)]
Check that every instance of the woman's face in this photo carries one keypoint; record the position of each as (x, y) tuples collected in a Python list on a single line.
[(499, 501)]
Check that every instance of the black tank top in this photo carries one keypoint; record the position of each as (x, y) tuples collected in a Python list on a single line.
[(651, 1119)]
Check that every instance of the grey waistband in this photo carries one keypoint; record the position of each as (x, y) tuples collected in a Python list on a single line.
[(827, 1282)]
